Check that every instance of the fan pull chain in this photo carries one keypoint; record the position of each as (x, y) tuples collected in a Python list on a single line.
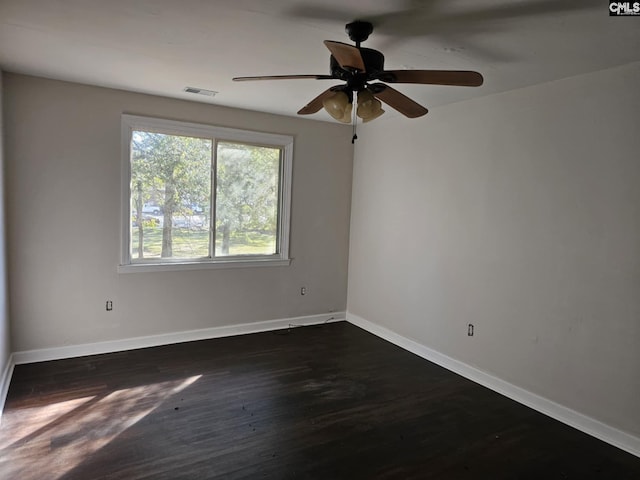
[(355, 123)]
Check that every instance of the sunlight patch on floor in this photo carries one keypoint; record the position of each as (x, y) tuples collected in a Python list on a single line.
[(66, 433), (18, 426)]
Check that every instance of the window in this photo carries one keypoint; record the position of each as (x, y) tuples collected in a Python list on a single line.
[(197, 196)]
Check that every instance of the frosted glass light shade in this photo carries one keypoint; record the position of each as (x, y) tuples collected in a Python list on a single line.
[(373, 116), (336, 105), (369, 107), (346, 118)]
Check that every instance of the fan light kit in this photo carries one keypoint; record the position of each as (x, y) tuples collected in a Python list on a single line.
[(362, 70)]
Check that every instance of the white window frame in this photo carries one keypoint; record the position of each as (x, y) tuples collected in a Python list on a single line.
[(217, 134)]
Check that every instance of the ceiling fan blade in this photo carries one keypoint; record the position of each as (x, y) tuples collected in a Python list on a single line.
[(283, 77), (460, 78), (316, 104), (397, 100), (346, 55)]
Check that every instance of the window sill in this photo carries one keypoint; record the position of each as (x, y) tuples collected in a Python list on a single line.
[(218, 264)]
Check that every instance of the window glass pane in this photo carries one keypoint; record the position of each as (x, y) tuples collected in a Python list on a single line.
[(170, 196), (247, 183)]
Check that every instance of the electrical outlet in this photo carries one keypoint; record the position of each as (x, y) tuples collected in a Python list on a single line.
[(109, 305), (470, 330), (303, 290)]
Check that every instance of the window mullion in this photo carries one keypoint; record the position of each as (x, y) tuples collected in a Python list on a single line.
[(212, 200)]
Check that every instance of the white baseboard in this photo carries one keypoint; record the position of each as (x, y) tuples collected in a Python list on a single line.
[(4, 383), (70, 351), (595, 428)]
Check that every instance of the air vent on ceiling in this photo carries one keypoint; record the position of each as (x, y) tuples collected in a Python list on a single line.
[(200, 91)]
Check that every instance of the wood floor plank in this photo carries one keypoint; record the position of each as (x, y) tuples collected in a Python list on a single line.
[(322, 402)]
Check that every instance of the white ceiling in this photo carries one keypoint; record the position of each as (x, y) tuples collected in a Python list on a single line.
[(162, 46)]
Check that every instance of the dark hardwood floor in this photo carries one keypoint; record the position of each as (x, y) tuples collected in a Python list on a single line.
[(322, 402)]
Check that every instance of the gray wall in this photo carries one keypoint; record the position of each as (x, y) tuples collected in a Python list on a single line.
[(519, 213), (5, 346), (63, 186)]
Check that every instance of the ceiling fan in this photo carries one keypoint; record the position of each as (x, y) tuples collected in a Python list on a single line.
[(362, 70)]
